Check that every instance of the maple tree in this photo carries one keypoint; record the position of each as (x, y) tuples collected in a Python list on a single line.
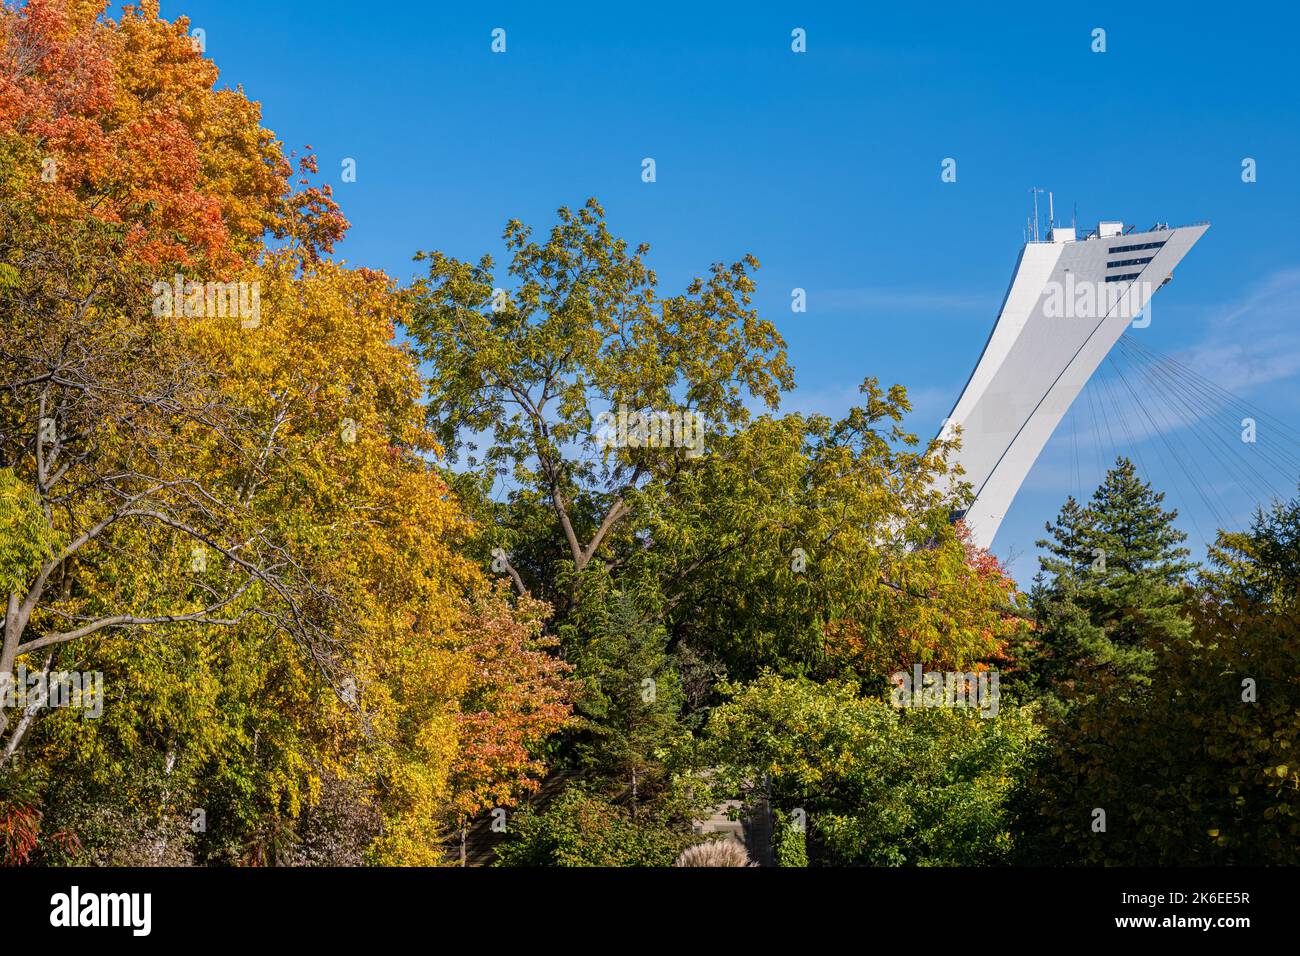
[(239, 523), (126, 125)]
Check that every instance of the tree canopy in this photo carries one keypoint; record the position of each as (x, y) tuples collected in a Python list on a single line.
[(529, 563)]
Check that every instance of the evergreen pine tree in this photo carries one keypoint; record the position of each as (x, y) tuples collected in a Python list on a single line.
[(1111, 579), (630, 697), (1198, 768), (1066, 557)]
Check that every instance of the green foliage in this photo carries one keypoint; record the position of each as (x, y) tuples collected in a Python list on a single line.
[(1113, 575), (820, 547), (584, 829), (1187, 771), (806, 545), (584, 330), (789, 844), (630, 695), (1199, 766), (585, 320), (26, 538), (1262, 565), (879, 786)]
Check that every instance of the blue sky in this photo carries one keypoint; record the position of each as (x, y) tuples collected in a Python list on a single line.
[(826, 166)]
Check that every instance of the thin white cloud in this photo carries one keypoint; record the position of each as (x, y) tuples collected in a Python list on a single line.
[(1249, 346), (1275, 290), (1255, 341)]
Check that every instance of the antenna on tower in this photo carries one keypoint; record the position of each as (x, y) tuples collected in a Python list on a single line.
[(1036, 190), (1051, 214)]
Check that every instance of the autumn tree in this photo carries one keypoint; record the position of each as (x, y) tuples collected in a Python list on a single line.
[(821, 547), (125, 123), (121, 164), (575, 329), (418, 681), (101, 396), (236, 518), (777, 541)]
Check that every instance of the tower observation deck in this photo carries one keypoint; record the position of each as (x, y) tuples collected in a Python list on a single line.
[(1069, 302)]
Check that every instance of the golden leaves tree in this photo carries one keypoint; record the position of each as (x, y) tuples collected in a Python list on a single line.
[(232, 513)]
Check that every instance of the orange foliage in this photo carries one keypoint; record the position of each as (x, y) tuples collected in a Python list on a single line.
[(19, 826), (963, 617), (128, 127), (518, 695)]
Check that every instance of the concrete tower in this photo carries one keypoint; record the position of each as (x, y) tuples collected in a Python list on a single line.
[(1069, 302)]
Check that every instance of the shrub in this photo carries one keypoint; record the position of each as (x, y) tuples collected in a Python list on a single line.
[(583, 829), (882, 786)]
